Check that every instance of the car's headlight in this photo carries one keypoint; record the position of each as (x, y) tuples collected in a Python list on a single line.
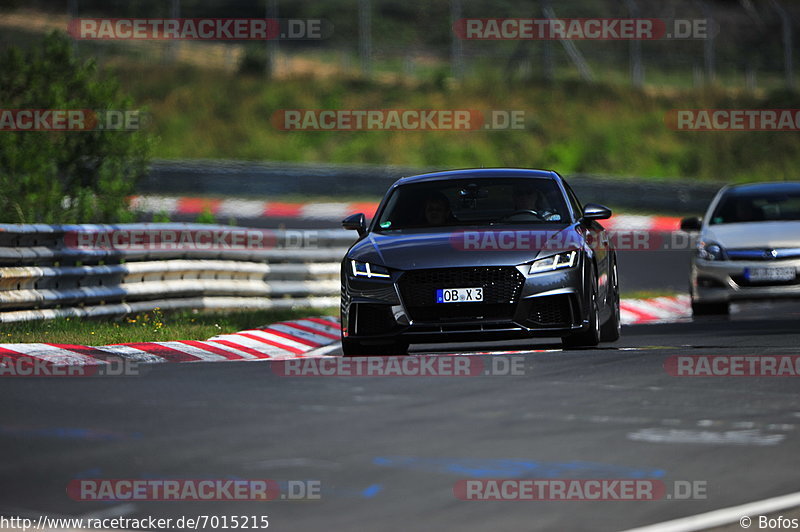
[(710, 251), (365, 269), (554, 262)]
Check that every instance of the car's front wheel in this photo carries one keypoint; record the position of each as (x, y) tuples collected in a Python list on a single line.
[(591, 337), (610, 330)]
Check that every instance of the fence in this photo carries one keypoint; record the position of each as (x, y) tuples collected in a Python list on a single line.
[(89, 270), (753, 47)]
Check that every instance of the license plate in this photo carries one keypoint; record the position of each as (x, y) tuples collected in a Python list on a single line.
[(459, 295), (770, 274)]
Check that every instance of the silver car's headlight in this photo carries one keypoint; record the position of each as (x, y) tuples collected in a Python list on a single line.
[(710, 251), (554, 262), (365, 269)]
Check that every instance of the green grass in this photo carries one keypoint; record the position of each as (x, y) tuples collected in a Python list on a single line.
[(647, 294), (572, 127), (148, 327)]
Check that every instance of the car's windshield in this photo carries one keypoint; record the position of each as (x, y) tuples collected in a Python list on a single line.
[(737, 207), (470, 202)]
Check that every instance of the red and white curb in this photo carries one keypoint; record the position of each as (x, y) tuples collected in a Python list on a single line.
[(304, 338), (655, 310), (242, 208), (630, 222), (289, 339)]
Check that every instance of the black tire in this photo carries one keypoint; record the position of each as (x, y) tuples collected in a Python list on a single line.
[(710, 309), (354, 348), (610, 330), (591, 337)]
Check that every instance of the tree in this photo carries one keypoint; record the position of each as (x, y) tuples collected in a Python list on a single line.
[(65, 176)]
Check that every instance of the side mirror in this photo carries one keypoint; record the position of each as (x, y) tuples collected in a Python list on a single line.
[(356, 222), (593, 211), (693, 223)]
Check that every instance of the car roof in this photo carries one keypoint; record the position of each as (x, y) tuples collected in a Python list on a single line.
[(478, 173), (764, 188)]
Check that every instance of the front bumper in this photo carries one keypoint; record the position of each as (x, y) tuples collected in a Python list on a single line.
[(549, 304), (724, 281)]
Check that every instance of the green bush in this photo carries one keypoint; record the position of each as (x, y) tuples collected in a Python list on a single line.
[(69, 176), (254, 60)]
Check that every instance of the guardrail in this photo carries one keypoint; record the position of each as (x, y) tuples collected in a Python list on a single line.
[(266, 179), (112, 270)]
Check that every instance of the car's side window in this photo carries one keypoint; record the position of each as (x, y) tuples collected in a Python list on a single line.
[(573, 200)]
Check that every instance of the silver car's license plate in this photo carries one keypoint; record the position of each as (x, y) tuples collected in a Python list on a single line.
[(459, 295), (770, 274)]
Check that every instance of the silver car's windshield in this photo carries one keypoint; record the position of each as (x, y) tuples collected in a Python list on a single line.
[(470, 202), (782, 204)]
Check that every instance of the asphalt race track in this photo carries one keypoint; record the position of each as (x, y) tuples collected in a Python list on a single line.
[(388, 450)]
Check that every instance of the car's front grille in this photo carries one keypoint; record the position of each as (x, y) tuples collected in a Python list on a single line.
[(767, 254), (551, 311), (502, 286)]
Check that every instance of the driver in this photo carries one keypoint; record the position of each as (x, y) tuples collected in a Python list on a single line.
[(437, 210), (529, 198)]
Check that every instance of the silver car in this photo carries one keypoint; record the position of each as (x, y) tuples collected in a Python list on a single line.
[(748, 247)]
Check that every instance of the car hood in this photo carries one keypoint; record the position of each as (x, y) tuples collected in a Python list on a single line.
[(509, 247), (755, 235)]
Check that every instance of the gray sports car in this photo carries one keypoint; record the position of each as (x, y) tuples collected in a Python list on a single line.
[(478, 255)]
